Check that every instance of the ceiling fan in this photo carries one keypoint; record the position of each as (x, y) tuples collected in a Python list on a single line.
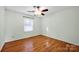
[(38, 10)]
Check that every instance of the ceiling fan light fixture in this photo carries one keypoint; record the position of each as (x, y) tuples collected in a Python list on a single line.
[(37, 12)]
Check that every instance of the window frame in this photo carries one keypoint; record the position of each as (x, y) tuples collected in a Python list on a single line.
[(28, 24)]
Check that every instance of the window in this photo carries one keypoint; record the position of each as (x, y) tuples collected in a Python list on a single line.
[(28, 24)]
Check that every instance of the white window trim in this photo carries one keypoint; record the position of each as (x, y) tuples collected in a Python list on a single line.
[(28, 24)]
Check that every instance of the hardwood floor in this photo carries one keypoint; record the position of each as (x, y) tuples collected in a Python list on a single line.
[(39, 43)]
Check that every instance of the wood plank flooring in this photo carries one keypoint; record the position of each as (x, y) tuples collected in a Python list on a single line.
[(39, 43)]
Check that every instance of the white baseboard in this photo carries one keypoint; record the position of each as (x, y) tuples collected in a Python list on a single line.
[(20, 38), (1, 47), (71, 42)]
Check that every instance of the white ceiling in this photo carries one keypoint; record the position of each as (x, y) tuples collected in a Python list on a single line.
[(24, 9)]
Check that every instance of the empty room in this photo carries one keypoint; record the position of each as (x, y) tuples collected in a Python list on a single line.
[(39, 28)]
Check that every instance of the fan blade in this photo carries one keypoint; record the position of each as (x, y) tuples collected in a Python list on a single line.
[(38, 7), (42, 14), (44, 10), (30, 11)]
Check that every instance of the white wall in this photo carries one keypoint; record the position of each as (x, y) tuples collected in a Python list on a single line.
[(15, 26), (63, 25), (2, 28)]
